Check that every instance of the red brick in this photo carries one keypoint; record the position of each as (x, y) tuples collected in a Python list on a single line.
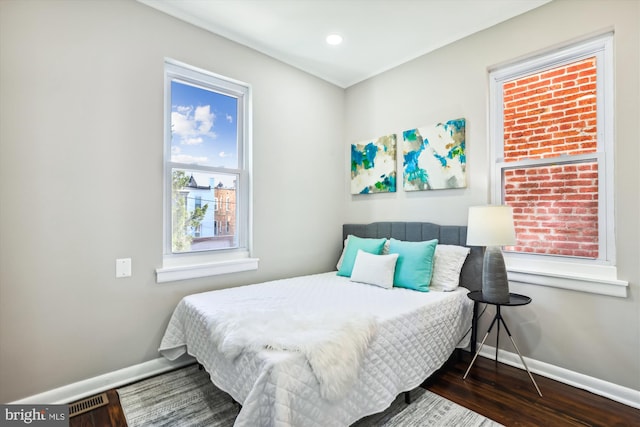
[(579, 197), (553, 73), (563, 120), (526, 80), (577, 66), (567, 94), (551, 102)]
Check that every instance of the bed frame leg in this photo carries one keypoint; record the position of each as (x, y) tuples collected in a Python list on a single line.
[(407, 397)]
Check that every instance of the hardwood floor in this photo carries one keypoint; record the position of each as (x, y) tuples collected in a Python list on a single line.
[(506, 395), (500, 392), (105, 416)]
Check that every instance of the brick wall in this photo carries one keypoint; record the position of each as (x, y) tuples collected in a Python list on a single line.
[(546, 115)]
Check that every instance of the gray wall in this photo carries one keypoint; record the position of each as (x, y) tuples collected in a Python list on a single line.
[(81, 95), (594, 335)]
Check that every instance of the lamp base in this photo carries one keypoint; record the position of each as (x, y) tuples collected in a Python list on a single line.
[(495, 284)]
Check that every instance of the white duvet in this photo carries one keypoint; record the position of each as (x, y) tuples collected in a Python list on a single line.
[(401, 337), (332, 343)]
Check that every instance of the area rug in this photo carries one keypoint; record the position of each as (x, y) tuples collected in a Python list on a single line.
[(186, 397)]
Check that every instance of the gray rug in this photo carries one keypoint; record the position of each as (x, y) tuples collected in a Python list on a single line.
[(186, 397)]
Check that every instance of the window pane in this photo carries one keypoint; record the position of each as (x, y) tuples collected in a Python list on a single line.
[(204, 126), (555, 208), (196, 228), (551, 113)]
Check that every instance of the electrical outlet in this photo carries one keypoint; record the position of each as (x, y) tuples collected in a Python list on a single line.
[(123, 267)]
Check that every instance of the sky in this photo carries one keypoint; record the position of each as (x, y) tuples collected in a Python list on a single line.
[(204, 127)]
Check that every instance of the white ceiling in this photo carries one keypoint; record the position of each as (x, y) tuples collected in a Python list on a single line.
[(378, 34)]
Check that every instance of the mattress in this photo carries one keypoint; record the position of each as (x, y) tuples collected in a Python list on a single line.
[(416, 333)]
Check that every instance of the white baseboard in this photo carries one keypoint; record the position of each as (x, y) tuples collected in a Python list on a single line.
[(625, 395), (91, 386)]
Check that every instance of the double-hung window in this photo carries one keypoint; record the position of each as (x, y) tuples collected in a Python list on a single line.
[(551, 124), (206, 158)]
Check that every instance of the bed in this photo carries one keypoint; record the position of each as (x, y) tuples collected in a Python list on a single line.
[(322, 349)]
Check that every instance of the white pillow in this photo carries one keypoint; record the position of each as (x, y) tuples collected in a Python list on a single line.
[(448, 261), (374, 269), (344, 248)]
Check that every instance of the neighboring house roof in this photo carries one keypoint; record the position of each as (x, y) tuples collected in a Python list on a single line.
[(193, 184)]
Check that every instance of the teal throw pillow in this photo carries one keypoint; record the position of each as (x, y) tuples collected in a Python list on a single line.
[(372, 246), (415, 263)]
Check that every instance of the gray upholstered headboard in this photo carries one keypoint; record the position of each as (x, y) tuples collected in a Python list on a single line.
[(471, 274)]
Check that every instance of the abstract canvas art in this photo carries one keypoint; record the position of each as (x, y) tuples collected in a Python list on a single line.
[(373, 166), (434, 156)]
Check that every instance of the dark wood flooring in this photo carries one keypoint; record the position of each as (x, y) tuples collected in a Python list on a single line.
[(506, 395), (500, 392), (105, 416)]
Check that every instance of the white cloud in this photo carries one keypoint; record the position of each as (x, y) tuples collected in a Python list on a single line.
[(185, 158), (191, 124), (184, 109), (204, 118), (181, 125), (229, 118), (192, 141)]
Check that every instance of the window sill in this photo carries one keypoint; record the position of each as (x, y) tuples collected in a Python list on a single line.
[(595, 279), (193, 271)]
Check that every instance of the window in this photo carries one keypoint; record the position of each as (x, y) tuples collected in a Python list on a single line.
[(552, 144), (206, 157)]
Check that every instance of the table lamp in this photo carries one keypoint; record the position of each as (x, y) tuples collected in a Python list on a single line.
[(492, 227)]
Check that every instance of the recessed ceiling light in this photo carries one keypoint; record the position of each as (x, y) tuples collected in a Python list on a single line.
[(334, 39)]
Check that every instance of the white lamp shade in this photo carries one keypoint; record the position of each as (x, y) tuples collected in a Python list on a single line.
[(490, 226)]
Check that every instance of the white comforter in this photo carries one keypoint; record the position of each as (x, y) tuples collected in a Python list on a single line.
[(414, 335)]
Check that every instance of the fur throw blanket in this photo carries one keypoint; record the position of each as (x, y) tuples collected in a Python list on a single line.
[(333, 344)]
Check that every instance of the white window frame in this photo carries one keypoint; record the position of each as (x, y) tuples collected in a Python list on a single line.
[(209, 263), (594, 276)]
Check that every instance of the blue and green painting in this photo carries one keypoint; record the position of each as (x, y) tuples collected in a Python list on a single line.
[(434, 156), (373, 166)]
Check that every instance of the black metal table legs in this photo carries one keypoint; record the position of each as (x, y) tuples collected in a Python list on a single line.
[(497, 319)]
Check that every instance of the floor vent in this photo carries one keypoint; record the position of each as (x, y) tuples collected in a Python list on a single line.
[(88, 404)]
